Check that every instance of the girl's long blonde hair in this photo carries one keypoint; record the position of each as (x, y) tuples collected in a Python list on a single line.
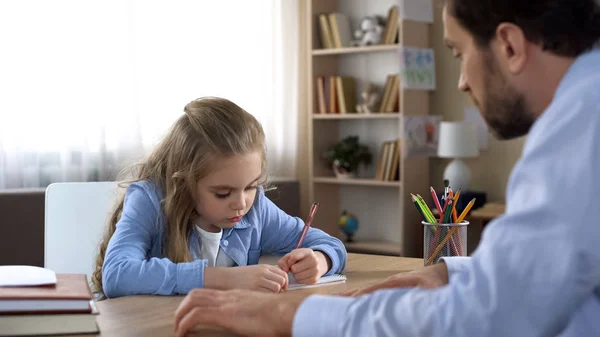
[(210, 128)]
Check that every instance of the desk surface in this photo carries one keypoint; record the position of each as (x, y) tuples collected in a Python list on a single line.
[(153, 315), (488, 212)]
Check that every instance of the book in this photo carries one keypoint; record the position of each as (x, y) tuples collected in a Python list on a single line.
[(381, 162), (49, 324), (346, 94), (394, 95), (70, 294), (325, 30), (387, 92), (395, 173), (340, 30), (391, 27), (321, 102), (389, 160), (333, 100)]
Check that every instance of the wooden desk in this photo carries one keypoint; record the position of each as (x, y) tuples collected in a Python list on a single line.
[(487, 213), (153, 315)]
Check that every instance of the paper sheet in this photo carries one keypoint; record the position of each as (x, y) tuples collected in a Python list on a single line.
[(417, 68), (325, 280), (420, 137), (417, 10)]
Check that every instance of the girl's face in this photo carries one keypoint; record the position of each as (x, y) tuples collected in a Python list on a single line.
[(226, 194)]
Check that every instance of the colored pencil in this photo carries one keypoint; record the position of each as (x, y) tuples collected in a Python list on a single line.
[(456, 196), (426, 208), (466, 211), (414, 199), (451, 232), (421, 208), (436, 202)]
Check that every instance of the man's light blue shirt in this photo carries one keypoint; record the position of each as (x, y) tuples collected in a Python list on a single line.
[(536, 271)]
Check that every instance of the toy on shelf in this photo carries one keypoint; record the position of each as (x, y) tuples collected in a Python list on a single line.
[(369, 99), (348, 224), (370, 31)]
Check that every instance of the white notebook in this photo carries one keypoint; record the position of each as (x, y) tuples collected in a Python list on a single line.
[(294, 285), (323, 281)]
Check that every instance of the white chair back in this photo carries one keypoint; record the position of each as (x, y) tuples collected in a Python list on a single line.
[(75, 217)]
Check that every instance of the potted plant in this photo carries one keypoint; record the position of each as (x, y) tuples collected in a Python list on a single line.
[(346, 156)]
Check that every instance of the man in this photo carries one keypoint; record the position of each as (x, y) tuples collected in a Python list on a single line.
[(530, 67)]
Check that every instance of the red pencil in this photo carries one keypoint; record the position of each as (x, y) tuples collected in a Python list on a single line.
[(437, 203), (307, 223)]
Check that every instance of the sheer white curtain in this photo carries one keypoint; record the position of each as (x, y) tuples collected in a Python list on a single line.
[(89, 86)]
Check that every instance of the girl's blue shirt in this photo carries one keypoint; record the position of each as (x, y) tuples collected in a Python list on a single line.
[(134, 263)]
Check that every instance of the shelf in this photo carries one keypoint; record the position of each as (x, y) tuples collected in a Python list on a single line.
[(356, 181), (355, 50), (373, 247), (372, 63), (373, 115)]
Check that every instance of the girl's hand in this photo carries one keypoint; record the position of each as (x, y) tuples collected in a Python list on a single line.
[(261, 277), (306, 265)]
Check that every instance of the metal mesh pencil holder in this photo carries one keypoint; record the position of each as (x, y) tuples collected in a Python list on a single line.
[(441, 240)]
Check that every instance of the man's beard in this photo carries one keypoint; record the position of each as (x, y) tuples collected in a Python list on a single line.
[(504, 108)]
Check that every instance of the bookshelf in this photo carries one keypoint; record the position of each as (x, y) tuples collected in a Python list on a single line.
[(372, 115), (354, 50), (389, 222), (357, 181)]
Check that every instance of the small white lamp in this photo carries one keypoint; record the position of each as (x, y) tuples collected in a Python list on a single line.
[(458, 140)]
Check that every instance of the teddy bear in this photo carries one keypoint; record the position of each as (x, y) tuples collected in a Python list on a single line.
[(370, 31), (369, 99)]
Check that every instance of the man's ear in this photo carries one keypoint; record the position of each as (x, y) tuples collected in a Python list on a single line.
[(511, 47)]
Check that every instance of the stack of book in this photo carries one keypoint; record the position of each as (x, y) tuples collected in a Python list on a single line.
[(388, 165), (335, 31), (391, 94), (32, 305), (336, 94), (392, 27)]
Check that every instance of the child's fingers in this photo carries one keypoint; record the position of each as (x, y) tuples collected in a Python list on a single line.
[(298, 254), (283, 264), (270, 286), (279, 276), (304, 264), (308, 276)]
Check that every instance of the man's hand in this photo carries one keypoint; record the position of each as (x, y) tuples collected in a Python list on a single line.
[(306, 265), (430, 277), (246, 313)]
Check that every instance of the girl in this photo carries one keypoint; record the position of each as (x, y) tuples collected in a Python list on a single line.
[(198, 206)]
